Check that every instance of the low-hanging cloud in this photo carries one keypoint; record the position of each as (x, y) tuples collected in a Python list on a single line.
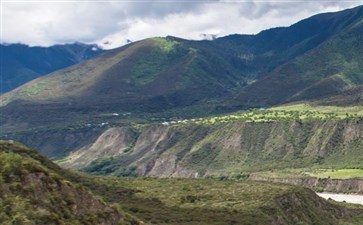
[(114, 22)]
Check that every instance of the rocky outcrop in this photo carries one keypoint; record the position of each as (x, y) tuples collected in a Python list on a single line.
[(221, 149), (112, 142)]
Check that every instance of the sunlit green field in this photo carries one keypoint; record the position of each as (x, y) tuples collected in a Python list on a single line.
[(342, 112), (286, 112), (309, 172), (342, 173)]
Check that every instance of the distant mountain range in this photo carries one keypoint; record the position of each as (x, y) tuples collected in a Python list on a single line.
[(317, 60), (21, 63)]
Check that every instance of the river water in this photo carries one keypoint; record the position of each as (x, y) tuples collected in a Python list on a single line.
[(350, 198)]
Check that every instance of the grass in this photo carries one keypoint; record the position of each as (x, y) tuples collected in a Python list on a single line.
[(340, 112), (164, 44), (339, 174), (283, 113), (35, 88), (311, 172), (206, 193), (156, 61), (208, 201)]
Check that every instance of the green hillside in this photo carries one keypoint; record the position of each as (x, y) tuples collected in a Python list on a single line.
[(33, 190), (153, 75), (317, 59), (145, 72), (36, 191), (331, 69)]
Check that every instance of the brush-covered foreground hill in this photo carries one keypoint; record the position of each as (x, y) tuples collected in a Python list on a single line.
[(36, 191), (21, 63), (318, 57), (33, 190)]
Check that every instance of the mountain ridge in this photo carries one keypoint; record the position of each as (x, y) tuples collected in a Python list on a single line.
[(166, 79), (21, 63), (247, 58), (333, 66)]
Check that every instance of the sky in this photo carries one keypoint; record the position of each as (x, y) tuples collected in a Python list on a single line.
[(114, 23)]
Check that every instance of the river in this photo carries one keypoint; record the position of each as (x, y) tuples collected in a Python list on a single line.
[(350, 198)]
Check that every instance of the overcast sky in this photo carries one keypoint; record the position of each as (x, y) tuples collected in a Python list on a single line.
[(112, 23)]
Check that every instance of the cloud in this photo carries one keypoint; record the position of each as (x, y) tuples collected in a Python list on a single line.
[(53, 22)]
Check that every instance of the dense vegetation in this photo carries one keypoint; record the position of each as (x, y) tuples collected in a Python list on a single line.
[(35, 191), (293, 112)]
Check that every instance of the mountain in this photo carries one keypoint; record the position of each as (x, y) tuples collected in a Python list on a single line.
[(332, 68), (317, 60), (153, 75), (313, 60), (36, 191), (21, 63), (156, 73)]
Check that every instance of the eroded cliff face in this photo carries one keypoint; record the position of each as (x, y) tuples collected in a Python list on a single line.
[(319, 184), (222, 149), (112, 142)]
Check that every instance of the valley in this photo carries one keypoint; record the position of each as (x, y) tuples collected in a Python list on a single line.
[(266, 143), (241, 129), (112, 200)]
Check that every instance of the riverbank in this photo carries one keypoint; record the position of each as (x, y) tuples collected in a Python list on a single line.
[(349, 198)]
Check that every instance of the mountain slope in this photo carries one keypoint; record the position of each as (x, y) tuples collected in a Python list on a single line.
[(21, 63), (152, 75), (142, 70), (318, 57), (33, 190), (272, 47), (332, 68)]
